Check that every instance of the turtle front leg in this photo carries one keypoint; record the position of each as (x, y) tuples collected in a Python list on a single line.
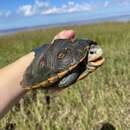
[(89, 70), (91, 67)]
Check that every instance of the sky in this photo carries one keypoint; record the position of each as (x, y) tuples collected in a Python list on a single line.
[(27, 13)]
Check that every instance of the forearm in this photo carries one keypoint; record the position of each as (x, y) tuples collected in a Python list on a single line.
[(10, 77)]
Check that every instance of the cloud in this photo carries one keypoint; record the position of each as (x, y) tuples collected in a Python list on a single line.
[(26, 10), (41, 4), (76, 7), (52, 10), (45, 8), (68, 8), (33, 9), (117, 3), (5, 14)]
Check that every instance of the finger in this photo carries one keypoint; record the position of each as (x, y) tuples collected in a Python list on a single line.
[(66, 34)]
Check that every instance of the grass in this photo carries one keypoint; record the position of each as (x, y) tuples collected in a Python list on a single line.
[(103, 97)]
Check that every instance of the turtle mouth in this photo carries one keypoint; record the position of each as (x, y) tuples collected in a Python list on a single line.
[(97, 62), (95, 56)]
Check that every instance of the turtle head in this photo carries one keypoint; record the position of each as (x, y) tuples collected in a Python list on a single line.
[(94, 56), (91, 50), (95, 53)]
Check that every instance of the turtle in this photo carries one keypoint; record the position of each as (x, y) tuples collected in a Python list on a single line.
[(62, 63)]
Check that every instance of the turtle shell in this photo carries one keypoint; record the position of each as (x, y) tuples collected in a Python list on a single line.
[(56, 61)]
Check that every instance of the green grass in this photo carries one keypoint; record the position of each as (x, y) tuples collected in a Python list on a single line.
[(103, 96)]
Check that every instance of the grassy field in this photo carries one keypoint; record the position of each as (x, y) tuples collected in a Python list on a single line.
[(102, 98)]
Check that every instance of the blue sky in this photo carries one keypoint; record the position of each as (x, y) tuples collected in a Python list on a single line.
[(26, 13)]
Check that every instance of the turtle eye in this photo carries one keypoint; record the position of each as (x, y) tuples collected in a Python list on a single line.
[(61, 55)]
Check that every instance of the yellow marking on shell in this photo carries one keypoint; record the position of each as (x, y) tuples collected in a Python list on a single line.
[(42, 84), (27, 89), (61, 55), (72, 67), (50, 81), (62, 74), (75, 65), (82, 58), (53, 79)]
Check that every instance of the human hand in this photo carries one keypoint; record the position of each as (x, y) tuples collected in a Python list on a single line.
[(65, 34)]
